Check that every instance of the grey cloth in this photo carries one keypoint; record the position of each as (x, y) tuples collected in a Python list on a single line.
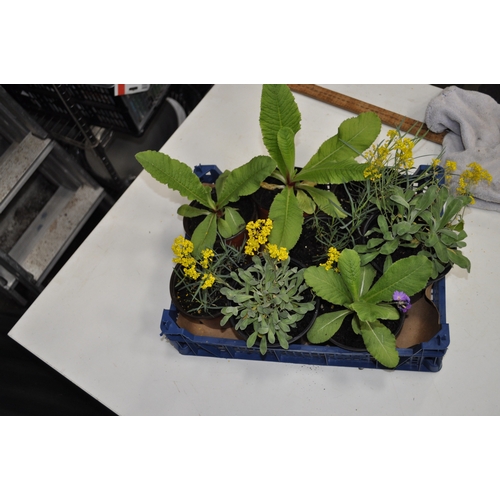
[(473, 121)]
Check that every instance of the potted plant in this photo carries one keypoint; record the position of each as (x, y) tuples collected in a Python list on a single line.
[(417, 213), (297, 190), (364, 301), (213, 201), (269, 302), (195, 283)]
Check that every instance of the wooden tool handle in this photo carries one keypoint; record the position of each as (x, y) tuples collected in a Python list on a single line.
[(356, 106)]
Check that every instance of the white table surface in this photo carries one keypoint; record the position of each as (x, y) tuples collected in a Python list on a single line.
[(97, 322)]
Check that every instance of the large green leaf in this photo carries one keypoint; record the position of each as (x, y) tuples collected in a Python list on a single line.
[(176, 175), (190, 211), (350, 270), (326, 326), (286, 143), (278, 109), (232, 223), (380, 343), (325, 200), (328, 171), (409, 275), (329, 285), (244, 180), (306, 204), (204, 235), (359, 133), (367, 276), (372, 312), (355, 135), (287, 219)]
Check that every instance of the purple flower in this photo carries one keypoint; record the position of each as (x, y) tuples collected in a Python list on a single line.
[(402, 301)]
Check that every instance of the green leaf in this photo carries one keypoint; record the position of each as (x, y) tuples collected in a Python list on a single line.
[(409, 275), (380, 343), (326, 325), (306, 204), (278, 109), (325, 200), (287, 219), (359, 133), (204, 235), (424, 200), (244, 180), (323, 169), (400, 200), (190, 211), (372, 312), (329, 285), (367, 276), (176, 175), (350, 271), (459, 259), (286, 143), (232, 223), (389, 247)]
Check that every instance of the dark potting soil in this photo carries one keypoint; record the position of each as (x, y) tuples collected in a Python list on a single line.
[(309, 250), (264, 198)]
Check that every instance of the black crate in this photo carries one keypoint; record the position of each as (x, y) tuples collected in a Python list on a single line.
[(96, 104)]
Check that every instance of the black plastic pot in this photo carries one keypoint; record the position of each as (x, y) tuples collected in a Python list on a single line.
[(182, 304), (301, 328)]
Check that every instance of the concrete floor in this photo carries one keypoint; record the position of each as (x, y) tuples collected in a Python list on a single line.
[(27, 385)]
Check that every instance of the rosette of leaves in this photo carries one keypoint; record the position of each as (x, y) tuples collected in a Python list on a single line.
[(268, 298), (428, 220), (364, 301), (229, 187), (334, 162)]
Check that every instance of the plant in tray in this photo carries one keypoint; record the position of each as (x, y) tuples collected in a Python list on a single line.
[(298, 190), (267, 299), (364, 301), (195, 283), (230, 186), (420, 214)]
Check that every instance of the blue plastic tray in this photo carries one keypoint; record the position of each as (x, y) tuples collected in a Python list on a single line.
[(424, 357)]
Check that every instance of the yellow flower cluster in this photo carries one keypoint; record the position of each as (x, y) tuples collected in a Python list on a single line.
[(333, 257), (396, 147), (449, 168), (277, 253), (404, 152), (258, 233), (470, 177), (208, 280), (207, 256), (183, 249)]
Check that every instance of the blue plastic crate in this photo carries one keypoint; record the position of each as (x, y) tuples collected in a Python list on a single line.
[(424, 357)]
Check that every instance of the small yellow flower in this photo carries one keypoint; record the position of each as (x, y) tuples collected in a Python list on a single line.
[(333, 257), (470, 177), (208, 280), (191, 272), (207, 256), (258, 233), (277, 253), (182, 247)]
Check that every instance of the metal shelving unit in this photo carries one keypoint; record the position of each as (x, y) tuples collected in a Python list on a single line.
[(45, 198)]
